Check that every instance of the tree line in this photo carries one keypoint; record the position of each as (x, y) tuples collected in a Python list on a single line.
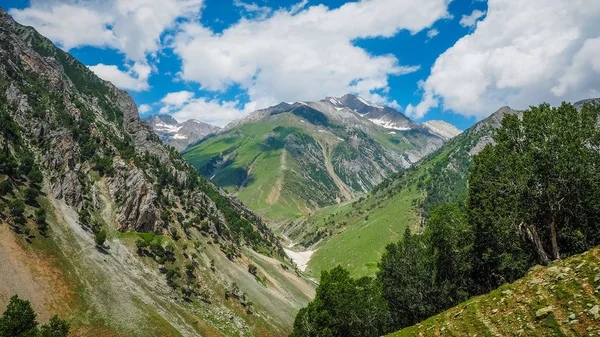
[(533, 198)]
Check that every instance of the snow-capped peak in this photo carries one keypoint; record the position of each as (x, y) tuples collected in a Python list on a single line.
[(364, 101)]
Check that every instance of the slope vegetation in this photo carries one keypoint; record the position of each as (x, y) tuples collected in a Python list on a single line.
[(351, 234), (291, 159), (558, 300)]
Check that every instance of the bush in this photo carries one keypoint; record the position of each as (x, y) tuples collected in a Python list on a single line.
[(35, 176), (31, 194), (17, 208), (252, 269), (100, 238), (5, 187)]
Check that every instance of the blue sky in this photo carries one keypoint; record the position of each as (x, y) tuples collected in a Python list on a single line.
[(217, 60)]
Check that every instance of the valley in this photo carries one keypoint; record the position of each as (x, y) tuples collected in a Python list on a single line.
[(125, 212)]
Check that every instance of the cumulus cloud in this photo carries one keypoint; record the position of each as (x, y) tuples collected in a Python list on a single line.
[(183, 105), (471, 20), (135, 78), (134, 27), (175, 100), (144, 108), (303, 53), (521, 54)]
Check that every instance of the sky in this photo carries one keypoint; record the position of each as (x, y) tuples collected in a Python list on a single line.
[(218, 60)]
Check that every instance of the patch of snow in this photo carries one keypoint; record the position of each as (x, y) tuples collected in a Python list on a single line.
[(335, 101), (369, 103), (300, 258), (167, 128), (213, 176), (340, 139), (321, 130), (392, 132), (179, 136), (301, 121), (338, 109), (388, 124)]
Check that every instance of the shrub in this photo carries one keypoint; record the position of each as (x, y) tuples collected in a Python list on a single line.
[(100, 237)]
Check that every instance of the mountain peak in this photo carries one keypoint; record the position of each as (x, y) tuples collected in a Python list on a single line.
[(158, 119), (441, 128), (179, 135)]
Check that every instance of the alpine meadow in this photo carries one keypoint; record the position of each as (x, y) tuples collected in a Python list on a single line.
[(314, 168)]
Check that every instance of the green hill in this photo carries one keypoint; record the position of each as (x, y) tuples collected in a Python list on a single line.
[(291, 159), (559, 300)]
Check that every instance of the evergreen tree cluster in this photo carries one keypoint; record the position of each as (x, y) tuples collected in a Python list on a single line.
[(533, 197), (19, 320)]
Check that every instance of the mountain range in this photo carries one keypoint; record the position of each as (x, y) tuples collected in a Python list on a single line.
[(104, 222), (179, 135), (293, 158)]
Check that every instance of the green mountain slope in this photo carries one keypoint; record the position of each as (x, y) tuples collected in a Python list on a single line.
[(104, 225), (291, 159), (354, 235), (558, 300)]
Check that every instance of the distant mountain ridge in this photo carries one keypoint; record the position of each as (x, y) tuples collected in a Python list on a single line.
[(318, 153), (179, 135)]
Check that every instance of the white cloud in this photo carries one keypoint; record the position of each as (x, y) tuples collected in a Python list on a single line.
[(183, 105), (144, 108), (523, 53), (175, 100), (134, 79), (303, 54), (134, 27), (432, 33), (253, 8), (471, 20)]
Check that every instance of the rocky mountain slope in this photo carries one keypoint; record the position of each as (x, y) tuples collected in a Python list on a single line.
[(179, 135), (294, 158), (442, 129), (111, 229), (558, 300)]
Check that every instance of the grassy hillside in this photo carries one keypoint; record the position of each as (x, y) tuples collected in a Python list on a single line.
[(295, 159), (559, 300), (355, 236)]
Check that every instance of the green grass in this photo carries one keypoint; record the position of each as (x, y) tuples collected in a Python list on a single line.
[(569, 287), (364, 235), (254, 164)]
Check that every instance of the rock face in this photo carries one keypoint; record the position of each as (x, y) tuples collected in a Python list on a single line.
[(442, 129), (81, 127)]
